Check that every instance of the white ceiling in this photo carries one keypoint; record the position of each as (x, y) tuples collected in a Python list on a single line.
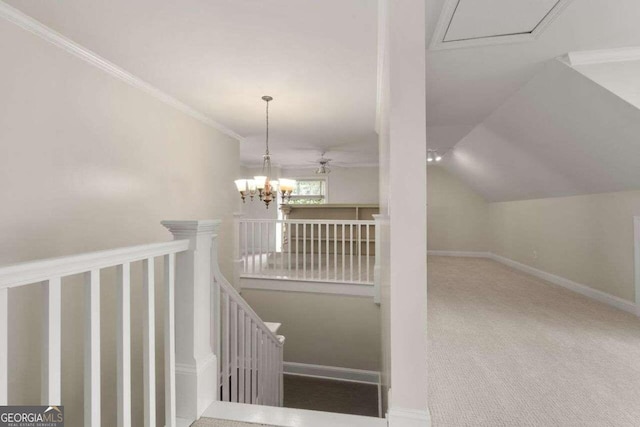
[(621, 78), (487, 18), (464, 86), (316, 58), (562, 134)]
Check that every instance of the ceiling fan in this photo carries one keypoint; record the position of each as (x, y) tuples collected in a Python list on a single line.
[(323, 168)]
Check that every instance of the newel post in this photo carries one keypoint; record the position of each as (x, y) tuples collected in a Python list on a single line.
[(238, 255), (196, 363)]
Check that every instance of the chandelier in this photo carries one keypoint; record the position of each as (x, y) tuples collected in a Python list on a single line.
[(266, 188)]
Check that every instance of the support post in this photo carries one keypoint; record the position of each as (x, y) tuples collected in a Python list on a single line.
[(196, 363)]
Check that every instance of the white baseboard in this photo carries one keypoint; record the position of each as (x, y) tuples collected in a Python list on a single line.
[(332, 372), (585, 290), (401, 417), (467, 254)]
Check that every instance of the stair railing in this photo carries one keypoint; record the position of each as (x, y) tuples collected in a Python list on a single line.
[(250, 355)]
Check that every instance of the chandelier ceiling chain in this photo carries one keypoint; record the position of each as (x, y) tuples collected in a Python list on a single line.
[(266, 188)]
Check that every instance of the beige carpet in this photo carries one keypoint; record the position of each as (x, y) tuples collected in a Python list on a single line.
[(506, 349)]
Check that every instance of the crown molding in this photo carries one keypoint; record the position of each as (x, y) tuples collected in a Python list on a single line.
[(587, 57), (449, 9), (28, 23)]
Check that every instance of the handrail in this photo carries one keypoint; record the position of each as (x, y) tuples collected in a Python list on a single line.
[(38, 271)]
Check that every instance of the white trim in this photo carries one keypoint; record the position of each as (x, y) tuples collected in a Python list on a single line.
[(469, 254), (401, 417), (287, 417), (587, 291), (448, 10), (308, 286), (587, 57), (332, 373), (28, 23)]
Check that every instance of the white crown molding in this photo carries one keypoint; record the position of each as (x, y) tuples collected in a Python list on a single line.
[(35, 27), (448, 10), (587, 57)]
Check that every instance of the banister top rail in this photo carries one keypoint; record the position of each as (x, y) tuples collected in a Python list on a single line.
[(37, 271), (312, 221)]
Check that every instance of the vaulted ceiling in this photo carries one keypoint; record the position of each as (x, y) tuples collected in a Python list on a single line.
[(516, 122)]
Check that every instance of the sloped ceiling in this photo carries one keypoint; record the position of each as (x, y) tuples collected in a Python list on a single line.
[(561, 134)]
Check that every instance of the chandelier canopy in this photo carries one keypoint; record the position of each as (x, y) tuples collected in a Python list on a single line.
[(266, 188)]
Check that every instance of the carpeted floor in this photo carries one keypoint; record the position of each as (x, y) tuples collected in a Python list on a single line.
[(507, 349), (330, 396)]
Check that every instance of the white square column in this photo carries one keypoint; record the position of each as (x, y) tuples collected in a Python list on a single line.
[(196, 363)]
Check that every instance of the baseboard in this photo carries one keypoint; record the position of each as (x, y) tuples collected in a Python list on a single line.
[(401, 417), (332, 372), (467, 254), (585, 290)]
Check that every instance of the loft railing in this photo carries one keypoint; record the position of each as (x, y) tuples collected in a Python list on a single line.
[(50, 274), (321, 250)]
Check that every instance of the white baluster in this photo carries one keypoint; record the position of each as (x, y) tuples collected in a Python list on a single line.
[(344, 237), (253, 248), (241, 355), (335, 251), (233, 356), (4, 346), (359, 253), (247, 360), (149, 342), (368, 252), (245, 252), (327, 249), (351, 242), (225, 348), (304, 250), (92, 349), (312, 257), (123, 344), (51, 342), (169, 341), (254, 362)]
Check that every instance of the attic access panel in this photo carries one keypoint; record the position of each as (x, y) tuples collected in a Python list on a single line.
[(465, 23)]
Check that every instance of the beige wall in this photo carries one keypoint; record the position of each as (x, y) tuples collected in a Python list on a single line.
[(88, 163), (457, 217), (346, 184), (322, 329), (587, 239)]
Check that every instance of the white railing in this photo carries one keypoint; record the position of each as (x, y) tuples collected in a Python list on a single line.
[(323, 250), (51, 273), (249, 353)]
